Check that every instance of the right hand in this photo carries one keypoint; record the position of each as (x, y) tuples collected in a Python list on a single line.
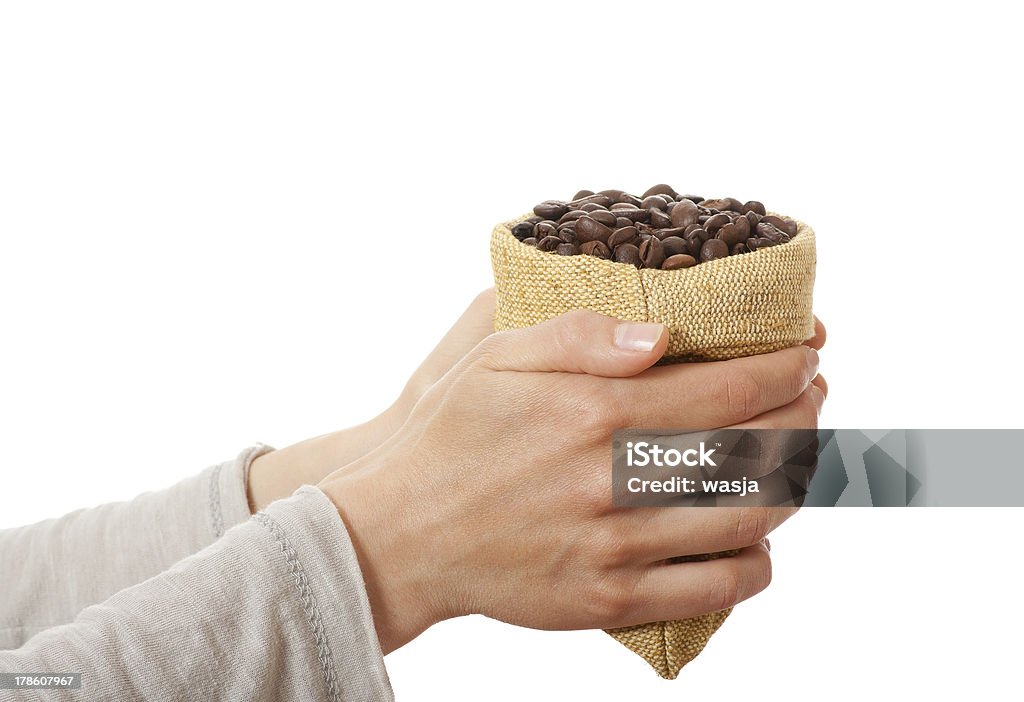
[(495, 496)]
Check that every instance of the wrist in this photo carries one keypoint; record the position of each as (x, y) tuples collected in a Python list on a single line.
[(400, 560)]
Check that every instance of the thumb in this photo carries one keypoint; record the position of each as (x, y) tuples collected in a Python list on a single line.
[(577, 342)]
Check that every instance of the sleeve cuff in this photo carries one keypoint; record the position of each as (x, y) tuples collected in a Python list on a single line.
[(228, 503), (323, 566)]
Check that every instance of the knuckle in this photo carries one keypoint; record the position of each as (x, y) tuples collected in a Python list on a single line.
[(598, 411), (611, 547), (488, 350), (724, 590), (752, 525), (737, 394), (607, 601)]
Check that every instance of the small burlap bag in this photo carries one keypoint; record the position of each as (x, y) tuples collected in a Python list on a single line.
[(735, 306)]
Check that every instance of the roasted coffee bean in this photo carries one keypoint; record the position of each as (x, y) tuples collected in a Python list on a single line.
[(659, 219), (671, 231), (625, 235), (731, 234), (604, 217), (678, 261), (660, 229), (596, 248), (522, 230), (767, 230), (545, 228), (742, 224), (656, 201), (628, 253), (589, 229), (598, 198), (753, 206), (716, 222), (712, 249), (551, 209), (652, 253), (549, 243), (684, 214), (674, 245), (660, 189)]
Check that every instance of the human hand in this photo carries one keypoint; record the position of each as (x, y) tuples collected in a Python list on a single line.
[(495, 497), (279, 473)]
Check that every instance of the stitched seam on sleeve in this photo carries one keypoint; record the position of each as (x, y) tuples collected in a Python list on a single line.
[(309, 604), (216, 518)]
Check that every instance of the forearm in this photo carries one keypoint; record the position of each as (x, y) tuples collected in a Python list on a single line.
[(276, 609), (56, 568)]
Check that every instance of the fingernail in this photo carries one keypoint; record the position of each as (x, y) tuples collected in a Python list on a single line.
[(631, 336), (812, 363), (818, 395)]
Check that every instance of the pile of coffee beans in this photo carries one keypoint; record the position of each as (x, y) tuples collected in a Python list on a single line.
[(659, 229)]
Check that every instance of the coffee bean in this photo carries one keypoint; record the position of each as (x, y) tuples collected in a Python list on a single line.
[(522, 230), (661, 229), (660, 189), (684, 213), (659, 219), (625, 235), (551, 209), (596, 248), (669, 232), (753, 206), (604, 217), (652, 253), (589, 229), (653, 201), (716, 222), (674, 245), (549, 243), (678, 261), (742, 225), (628, 253), (712, 249)]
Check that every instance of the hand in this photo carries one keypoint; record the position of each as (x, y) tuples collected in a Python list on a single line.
[(279, 473), (495, 497)]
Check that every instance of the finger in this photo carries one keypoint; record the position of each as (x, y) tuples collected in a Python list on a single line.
[(475, 324), (821, 384), (577, 342), (699, 396), (658, 533), (818, 340), (683, 590), (801, 413)]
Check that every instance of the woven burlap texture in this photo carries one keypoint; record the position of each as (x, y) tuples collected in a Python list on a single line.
[(736, 306)]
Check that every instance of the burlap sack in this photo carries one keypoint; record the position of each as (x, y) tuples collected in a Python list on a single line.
[(736, 306)]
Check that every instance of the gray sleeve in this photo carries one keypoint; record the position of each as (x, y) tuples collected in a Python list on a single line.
[(274, 610), (56, 568)]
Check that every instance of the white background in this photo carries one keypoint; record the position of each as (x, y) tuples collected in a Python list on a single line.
[(197, 200)]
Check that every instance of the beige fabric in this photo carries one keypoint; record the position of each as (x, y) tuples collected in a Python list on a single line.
[(736, 306)]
